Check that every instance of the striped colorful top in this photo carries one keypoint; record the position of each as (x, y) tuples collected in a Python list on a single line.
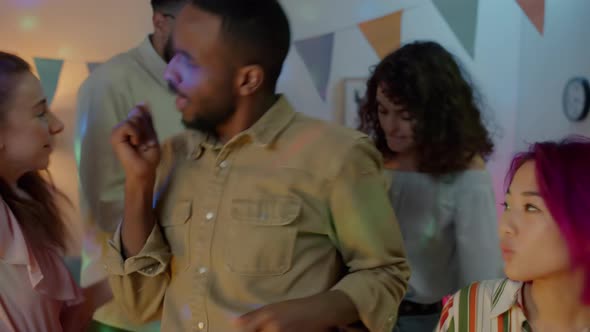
[(486, 306)]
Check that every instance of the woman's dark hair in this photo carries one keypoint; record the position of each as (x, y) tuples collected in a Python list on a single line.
[(39, 217), (426, 79)]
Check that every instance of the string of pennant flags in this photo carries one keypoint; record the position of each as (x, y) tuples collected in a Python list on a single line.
[(535, 11), (382, 33)]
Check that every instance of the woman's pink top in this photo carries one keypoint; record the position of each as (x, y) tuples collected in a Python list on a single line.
[(36, 288)]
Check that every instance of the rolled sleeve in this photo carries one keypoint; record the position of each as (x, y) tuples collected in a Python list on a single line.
[(152, 260), (139, 283), (368, 237)]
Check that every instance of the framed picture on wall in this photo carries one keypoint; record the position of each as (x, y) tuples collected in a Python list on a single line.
[(354, 93)]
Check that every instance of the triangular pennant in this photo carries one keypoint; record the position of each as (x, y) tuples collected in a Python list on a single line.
[(316, 53), (535, 10), (92, 66), (384, 33), (49, 71), (461, 16)]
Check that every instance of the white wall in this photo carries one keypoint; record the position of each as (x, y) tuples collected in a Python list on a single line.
[(494, 69), (352, 55), (520, 74), (77, 30), (546, 63)]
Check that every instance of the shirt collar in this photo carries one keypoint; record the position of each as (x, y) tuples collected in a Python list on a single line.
[(152, 61), (507, 296), (263, 132), (272, 123)]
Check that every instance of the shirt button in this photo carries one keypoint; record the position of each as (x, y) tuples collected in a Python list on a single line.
[(223, 164), (203, 270), (209, 216), (201, 325)]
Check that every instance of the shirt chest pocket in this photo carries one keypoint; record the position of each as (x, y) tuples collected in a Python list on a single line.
[(262, 234), (174, 223)]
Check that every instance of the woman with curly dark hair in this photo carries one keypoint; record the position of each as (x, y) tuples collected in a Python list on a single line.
[(424, 118)]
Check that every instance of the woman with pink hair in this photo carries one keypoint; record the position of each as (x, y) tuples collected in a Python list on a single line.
[(545, 240)]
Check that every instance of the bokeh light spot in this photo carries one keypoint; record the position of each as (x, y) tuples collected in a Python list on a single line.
[(28, 23)]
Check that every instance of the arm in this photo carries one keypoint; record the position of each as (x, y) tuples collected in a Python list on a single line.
[(138, 256), (476, 234), (100, 108), (369, 239)]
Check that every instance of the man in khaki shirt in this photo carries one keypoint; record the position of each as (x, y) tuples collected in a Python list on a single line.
[(265, 219)]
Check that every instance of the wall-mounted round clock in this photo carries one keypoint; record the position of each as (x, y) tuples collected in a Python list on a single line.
[(576, 99)]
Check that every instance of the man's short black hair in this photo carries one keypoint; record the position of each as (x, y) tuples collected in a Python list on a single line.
[(167, 6), (257, 29)]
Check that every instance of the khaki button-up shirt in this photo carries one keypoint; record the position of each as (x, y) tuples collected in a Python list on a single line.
[(289, 208)]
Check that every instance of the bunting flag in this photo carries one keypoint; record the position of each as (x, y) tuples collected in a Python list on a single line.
[(535, 11), (384, 33), (92, 66), (461, 16), (316, 53), (49, 71)]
